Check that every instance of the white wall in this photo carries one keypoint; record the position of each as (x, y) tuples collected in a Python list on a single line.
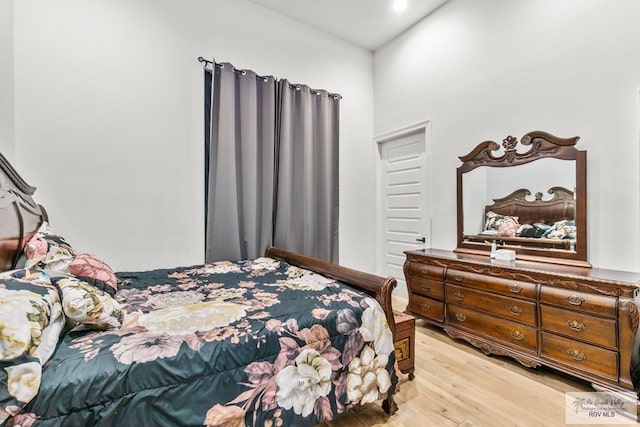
[(537, 177), (109, 117), (485, 70), (6, 79)]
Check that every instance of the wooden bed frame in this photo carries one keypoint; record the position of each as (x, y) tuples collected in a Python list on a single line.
[(21, 216), (560, 207)]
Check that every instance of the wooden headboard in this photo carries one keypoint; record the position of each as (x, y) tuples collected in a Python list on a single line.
[(560, 207), (20, 215)]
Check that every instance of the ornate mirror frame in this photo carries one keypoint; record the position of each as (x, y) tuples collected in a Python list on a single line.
[(543, 145)]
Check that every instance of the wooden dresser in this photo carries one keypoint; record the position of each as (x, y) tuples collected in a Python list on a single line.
[(581, 321)]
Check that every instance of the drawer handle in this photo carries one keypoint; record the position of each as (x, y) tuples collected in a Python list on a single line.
[(459, 278), (515, 289), (426, 288), (459, 296), (517, 335), (575, 325), (424, 271), (461, 317), (516, 311), (577, 355), (575, 300), (425, 306)]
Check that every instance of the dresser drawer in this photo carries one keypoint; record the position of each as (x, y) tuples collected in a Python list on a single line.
[(421, 269), (426, 287), (427, 307), (580, 325), (494, 284), (511, 308), (592, 303), (579, 355), (508, 332)]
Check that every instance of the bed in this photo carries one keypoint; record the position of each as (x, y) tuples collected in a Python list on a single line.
[(283, 339), (516, 219)]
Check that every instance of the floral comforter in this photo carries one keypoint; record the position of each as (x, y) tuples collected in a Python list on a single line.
[(226, 344)]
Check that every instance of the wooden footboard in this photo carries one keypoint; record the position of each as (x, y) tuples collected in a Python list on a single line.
[(378, 287)]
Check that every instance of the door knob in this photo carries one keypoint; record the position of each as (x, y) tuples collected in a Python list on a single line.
[(422, 239)]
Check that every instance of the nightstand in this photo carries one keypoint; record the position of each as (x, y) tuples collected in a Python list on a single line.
[(405, 342)]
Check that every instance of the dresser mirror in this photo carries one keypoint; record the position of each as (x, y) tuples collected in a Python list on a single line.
[(528, 196)]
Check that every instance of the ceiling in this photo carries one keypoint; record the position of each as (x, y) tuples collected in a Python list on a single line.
[(366, 23)]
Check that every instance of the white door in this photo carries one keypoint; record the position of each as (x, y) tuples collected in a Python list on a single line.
[(404, 187)]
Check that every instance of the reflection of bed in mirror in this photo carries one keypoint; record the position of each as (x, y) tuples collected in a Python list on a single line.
[(537, 221), (538, 164)]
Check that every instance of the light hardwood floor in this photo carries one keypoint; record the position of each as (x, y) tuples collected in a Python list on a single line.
[(457, 385)]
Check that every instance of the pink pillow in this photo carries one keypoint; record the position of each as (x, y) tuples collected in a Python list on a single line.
[(94, 271), (508, 227), (36, 248)]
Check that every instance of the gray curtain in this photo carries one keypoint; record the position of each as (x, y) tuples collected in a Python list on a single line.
[(239, 175), (306, 214)]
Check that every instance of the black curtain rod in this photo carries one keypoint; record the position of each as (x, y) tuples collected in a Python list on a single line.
[(293, 86), (206, 61)]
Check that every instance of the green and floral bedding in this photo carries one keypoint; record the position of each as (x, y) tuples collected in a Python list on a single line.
[(252, 343)]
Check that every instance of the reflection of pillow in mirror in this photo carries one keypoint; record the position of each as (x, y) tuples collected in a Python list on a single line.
[(492, 221), (495, 220), (562, 230), (536, 230), (508, 226)]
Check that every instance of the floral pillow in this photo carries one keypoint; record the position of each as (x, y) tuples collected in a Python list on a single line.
[(48, 250), (86, 304), (492, 220), (31, 320), (564, 229), (93, 270)]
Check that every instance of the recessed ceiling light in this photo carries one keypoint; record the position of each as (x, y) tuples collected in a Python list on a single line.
[(399, 5)]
